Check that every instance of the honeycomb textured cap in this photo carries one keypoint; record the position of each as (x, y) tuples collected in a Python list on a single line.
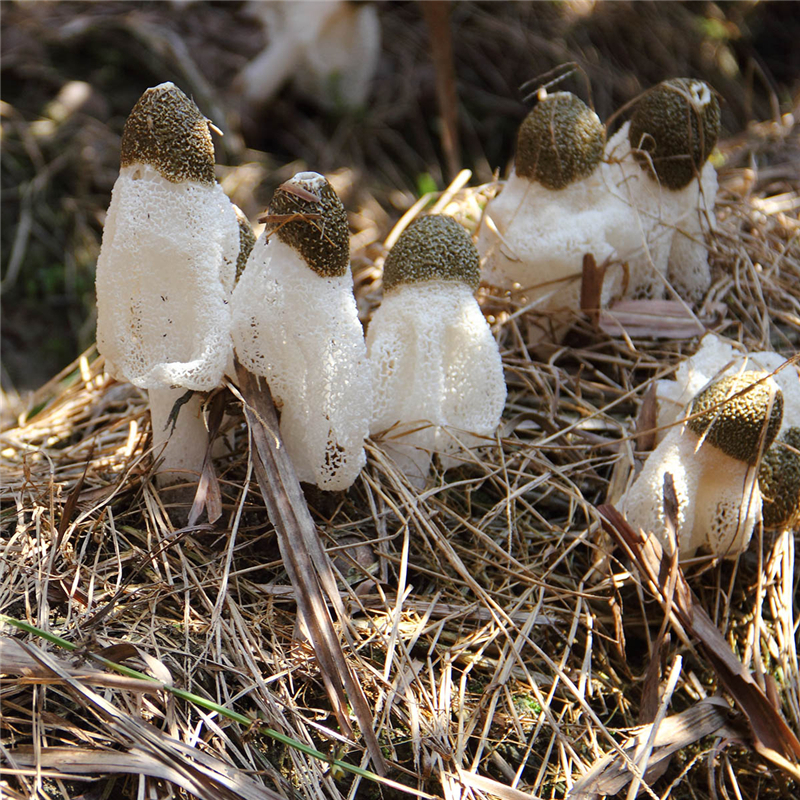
[(433, 248), (247, 240), (560, 141), (167, 131), (674, 129), (733, 415), (316, 229), (779, 481)]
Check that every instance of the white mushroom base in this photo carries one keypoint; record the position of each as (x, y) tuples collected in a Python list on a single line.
[(330, 49), (437, 375), (164, 276), (719, 502), (532, 240), (671, 250), (180, 451), (301, 332)]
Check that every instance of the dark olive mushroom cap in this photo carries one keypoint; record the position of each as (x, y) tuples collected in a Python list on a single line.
[(167, 131), (247, 240), (433, 248), (732, 415), (779, 481), (674, 130), (317, 230), (560, 141)]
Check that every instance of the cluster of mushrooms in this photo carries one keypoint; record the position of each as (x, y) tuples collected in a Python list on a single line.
[(183, 288), (639, 202)]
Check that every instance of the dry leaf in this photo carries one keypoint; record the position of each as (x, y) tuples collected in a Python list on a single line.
[(66, 762), (306, 561), (647, 420), (610, 775), (197, 772), (475, 781), (662, 319), (15, 659), (772, 737)]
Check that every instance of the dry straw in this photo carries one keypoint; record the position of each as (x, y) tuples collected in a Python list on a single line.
[(503, 646)]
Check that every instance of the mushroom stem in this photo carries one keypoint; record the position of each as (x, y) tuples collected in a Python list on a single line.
[(180, 448)]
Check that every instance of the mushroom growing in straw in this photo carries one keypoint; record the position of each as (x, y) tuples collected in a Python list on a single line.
[(165, 272), (435, 363), (713, 460), (555, 207), (779, 475), (658, 163), (295, 323)]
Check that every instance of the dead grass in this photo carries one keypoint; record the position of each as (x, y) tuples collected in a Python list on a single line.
[(499, 638)]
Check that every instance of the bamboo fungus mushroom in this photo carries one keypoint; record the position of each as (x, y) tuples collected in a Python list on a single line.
[(641, 207), (669, 184), (713, 460), (779, 481), (779, 475), (295, 323), (165, 272), (555, 208), (435, 363)]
